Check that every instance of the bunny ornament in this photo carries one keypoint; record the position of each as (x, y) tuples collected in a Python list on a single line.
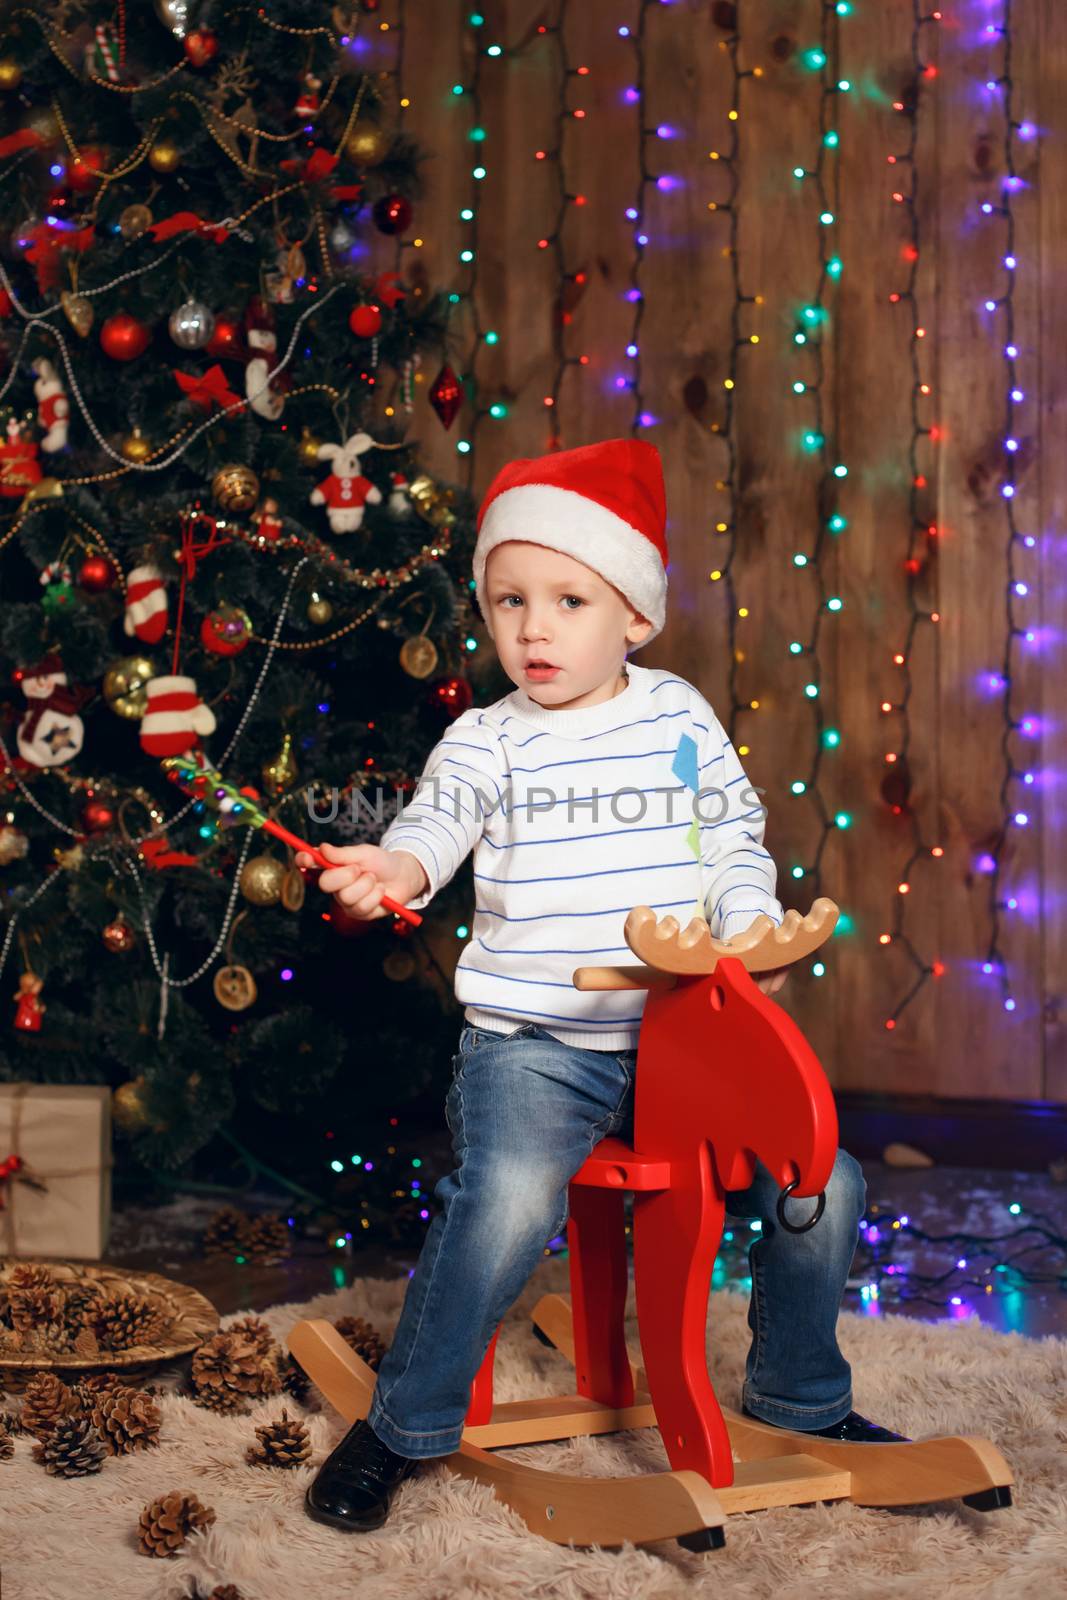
[(346, 491)]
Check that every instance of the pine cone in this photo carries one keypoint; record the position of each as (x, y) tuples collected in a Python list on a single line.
[(94, 1384), (227, 1369), (80, 1298), (295, 1381), (255, 1329), (267, 1239), (285, 1442), (10, 1422), (123, 1321), (72, 1449), (166, 1523), (47, 1403), (7, 1445), (364, 1338), (126, 1420), (29, 1308), (224, 1231), (27, 1275), (49, 1340)]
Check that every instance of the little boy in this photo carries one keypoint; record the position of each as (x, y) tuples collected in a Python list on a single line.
[(595, 786)]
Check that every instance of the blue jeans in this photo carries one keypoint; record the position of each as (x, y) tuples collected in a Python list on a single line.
[(525, 1111)]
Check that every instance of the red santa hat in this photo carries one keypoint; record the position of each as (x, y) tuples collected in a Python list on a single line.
[(604, 504)]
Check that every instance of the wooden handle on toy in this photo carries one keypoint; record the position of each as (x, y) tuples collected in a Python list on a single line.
[(622, 978)]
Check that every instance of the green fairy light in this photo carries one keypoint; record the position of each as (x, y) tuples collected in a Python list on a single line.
[(466, 215), (497, 410), (798, 872), (799, 172), (796, 648), (831, 738), (837, 523), (844, 85), (826, 218), (843, 820), (479, 173), (800, 388), (840, 471), (834, 604), (799, 787), (834, 267), (457, 88), (831, 139), (477, 134), (844, 924), (814, 59), (493, 50), (818, 970), (813, 441), (800, 560), (492, 338), (812, 691)]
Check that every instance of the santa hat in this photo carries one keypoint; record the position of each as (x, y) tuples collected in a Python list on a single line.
[(604, 504)]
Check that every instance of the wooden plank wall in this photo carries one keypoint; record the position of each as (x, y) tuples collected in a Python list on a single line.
[(735, 457)]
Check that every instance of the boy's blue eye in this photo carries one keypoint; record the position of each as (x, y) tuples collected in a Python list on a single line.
[(505, 597)]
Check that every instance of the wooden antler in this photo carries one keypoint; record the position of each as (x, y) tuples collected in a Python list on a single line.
[(668, 951)]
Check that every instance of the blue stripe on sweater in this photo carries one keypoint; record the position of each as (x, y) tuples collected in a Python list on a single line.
[(606, 872), (520, 744), (554, 1016), (606, 911)]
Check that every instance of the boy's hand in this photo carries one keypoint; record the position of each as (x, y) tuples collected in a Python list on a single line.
[(769, 982), (359, 874)]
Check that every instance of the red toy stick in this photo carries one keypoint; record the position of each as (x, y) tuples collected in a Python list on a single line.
[(242, 805)]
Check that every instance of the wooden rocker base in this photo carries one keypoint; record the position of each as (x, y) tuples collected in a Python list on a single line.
[(776, 1467), (919, 1472)]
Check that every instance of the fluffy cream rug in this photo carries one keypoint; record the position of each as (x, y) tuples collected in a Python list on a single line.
[(447, 1538)]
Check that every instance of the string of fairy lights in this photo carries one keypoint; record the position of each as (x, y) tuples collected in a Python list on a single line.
[(922, 534), (563, 316), (1014, 802), (637, 94), (819, 435), (728, 160)]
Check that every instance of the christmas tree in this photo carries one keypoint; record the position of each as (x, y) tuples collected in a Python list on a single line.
[(215, 536)]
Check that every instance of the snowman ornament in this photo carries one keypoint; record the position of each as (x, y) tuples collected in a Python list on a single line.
[(346, 491), (51, 732)]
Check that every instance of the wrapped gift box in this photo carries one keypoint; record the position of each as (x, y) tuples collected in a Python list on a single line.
[(63, 1134)]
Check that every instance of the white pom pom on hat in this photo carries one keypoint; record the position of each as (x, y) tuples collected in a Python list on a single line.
[(604, 504)]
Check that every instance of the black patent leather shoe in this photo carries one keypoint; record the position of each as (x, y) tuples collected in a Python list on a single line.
[(354, 1487), (852, 1429)]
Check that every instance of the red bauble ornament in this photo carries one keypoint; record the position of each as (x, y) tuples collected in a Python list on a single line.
[(6, 303), (96, 574), (84, 171), (446, 395), (227, 341), (200, 46), (453, 696), (97, 816), (365, 321), (123, 338), (225, 631), (392, 214), (118, 937)]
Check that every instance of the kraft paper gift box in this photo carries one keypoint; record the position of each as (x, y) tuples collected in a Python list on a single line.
[(63, 1134)]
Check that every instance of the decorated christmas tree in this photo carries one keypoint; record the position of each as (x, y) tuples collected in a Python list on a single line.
[(218, 355)]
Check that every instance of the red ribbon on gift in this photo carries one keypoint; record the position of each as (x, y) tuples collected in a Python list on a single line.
[(207, 388), (15, 1167)]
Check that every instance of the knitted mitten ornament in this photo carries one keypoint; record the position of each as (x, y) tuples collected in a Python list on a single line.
[(175, 719), (146, 605)]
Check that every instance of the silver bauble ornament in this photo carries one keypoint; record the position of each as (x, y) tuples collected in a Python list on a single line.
[(191, 325)]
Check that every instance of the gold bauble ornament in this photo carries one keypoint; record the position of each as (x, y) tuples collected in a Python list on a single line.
[(235, 487), (235, 988), (118, 937), (433, 504), (10, 73), (164, 156), (261, 880), (134, 221), (135, 447), (319, 610), (399, 965), (128, 1107), (78, 312), (281, 772), (126, 686), (308, 448), (366, 144), (418, 656)]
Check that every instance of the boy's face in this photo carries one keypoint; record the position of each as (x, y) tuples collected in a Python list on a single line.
[(546, 606)]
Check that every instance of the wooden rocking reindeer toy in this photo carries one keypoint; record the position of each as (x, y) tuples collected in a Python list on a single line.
[(724, 1078)]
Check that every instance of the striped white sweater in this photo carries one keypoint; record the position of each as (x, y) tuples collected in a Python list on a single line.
[(677, 827)]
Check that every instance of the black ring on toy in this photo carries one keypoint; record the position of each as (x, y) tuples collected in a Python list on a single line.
[(804, 1227)]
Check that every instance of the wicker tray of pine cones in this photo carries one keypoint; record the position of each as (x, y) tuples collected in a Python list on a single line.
[(66, 1317)]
